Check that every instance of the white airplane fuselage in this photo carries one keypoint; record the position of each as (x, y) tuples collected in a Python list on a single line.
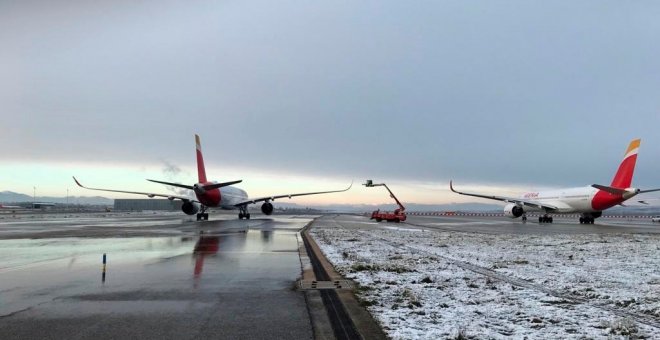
[(230, 196), (571, 200), (577, 200)]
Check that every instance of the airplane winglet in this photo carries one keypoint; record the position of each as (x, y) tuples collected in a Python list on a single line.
[(80, 185), (451, 186)]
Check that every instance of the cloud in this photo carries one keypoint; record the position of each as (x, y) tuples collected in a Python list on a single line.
[(480, 92)]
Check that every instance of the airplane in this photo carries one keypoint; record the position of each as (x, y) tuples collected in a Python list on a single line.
[(214, 194), (589, 201)]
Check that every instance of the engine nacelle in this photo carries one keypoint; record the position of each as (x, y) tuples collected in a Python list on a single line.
[(513, 210), (190, 208), (267, 208)]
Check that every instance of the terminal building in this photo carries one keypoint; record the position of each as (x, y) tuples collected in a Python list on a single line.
[(141, 204)]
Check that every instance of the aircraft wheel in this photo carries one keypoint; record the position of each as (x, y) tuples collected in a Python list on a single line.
[(550, 219), (581, 220), (199, 217), (206, 216), (240, 216), (540, 219), (247, 216)]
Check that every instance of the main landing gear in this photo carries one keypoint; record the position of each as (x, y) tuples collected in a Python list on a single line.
[(545, 219), (524, 218), (243, 213), (587, 220), (203, 216)]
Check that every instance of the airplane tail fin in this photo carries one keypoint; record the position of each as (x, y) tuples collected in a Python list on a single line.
[(623, 177), (201, 171)]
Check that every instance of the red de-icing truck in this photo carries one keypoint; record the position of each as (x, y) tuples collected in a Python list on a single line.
[(398, 215)]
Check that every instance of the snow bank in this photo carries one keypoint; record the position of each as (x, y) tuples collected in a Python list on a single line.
[(437, 284)]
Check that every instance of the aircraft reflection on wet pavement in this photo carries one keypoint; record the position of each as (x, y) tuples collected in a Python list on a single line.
[(206, 245), (212, 246)]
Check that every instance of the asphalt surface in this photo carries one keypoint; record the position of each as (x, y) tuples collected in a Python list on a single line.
[(341, 322), (504, 225), (167, 277)]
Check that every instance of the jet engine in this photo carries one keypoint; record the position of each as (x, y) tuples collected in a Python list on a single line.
[(190, 208), (513, 210), (267, 208)]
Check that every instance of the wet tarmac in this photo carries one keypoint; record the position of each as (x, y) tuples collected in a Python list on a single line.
[(167, 277)]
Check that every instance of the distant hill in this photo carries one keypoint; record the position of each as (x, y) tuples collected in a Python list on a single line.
[(14, 197)]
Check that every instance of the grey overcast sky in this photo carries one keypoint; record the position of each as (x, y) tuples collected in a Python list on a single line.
[(515, 94)]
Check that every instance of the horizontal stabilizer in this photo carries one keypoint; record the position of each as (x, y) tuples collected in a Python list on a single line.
[(172, 184), (611, 190), (220, 185)]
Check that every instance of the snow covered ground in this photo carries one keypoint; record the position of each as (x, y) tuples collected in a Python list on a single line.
[(438, 284)]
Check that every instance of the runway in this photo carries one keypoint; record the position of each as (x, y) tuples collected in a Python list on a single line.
[(167, 277), (561, 225)]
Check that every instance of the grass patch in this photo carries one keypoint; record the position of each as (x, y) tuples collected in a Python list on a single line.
[(461, 334), (426, 279), (398, 269), (359, 267), (621, 327)]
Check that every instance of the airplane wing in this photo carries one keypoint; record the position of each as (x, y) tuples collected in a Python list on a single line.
[(149, 194), (272, 198), (528, 203)]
